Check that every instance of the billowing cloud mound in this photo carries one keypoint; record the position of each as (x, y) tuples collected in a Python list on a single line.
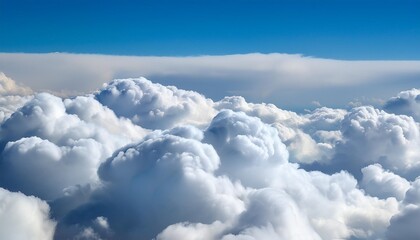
[(154, 106), (12, 96), (23, 217), (231, 181), (9, 104), (10, 87), (375, 136), (50, 144), (206, 170), (404, 225), (166, 175), (406, 102), (306, 146), (246, 146), (383, 184)]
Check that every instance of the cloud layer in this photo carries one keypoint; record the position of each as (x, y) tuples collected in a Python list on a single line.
[(140, 160), (289, 80)]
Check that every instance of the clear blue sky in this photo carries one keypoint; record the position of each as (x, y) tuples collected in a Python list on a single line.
[(341, 29)]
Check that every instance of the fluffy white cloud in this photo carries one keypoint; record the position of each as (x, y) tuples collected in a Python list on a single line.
[(12, 96), (406, 102), (326, 119), (155, 106), (269, 214), (24, 217), (404, 225), (281, 220), (304, 206), (375, 136), (383, 184), (211, 170), (10, 87), (232, 181), (268, 113), (193, 231), (9, 104), (52, 168), (336, 208), (246, 146), (163, 175), (308, 138), (60, 143), (92, 112)]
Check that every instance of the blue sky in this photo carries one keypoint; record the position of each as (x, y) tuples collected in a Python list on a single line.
[(339, 29)]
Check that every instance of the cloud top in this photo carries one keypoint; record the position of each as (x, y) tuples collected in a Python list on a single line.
[(136, 159)]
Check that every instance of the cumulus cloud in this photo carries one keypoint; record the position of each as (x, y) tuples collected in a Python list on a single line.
[(24, 217), (232, 181), (163, 175), (59, 143), (12, 96), (246, 145), (10, 87), (369, 136), (406, 102), (205, 169), (192, 231), (307, 210), (383, 184), (308, 138), (404, 225), (9, 104), (155, 106)]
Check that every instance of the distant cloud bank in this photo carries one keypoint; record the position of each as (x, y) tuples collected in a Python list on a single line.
[(285, 79), (141, 160)]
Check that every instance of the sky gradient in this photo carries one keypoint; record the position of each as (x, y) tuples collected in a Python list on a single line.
[(361, 30)]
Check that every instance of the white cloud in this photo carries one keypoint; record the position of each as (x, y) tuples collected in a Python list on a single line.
[(286, 79), (373, 136), (191, 178), (10, 87), (155, 106), (164, 175), (383, 184), (9, 104), (335, 206), (304, 135), (212, 170), (51, 168), (246, 146), (281, 220), (324, 118), (24, 217), (59, 143), (192, 231), (12, 96), (404, 225), (406, 102)]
